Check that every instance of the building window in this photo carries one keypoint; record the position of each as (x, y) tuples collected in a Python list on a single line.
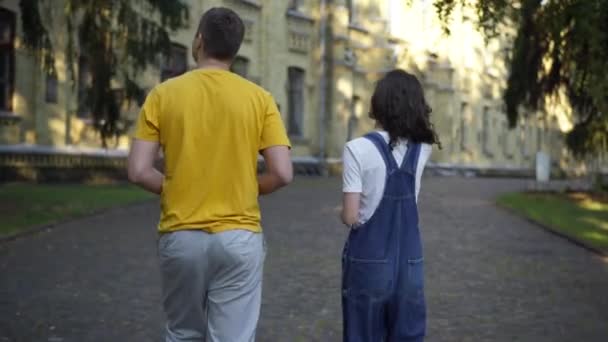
[(248, 30), (299, 41), (295, 100), (353, 119), (352, 11), (7, 58), (240, 66), (527, 132), (486, 132), (175, 64), (540, 137), (464, 108), (295, 5), (554, 138), (51, 88), (85, 80), (530, 140), (507, 140)]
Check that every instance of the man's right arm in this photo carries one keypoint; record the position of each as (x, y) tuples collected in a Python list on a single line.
[(279, 169), (145, 146)]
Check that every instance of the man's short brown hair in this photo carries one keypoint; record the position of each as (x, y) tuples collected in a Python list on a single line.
[(222, 31)]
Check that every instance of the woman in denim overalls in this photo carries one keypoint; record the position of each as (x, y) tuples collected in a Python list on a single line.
[(382, 280)]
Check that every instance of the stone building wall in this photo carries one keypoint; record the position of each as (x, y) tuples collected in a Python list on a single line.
[(463, 76)]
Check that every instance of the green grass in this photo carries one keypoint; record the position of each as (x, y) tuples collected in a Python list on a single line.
[(26, 205), (580, 216)]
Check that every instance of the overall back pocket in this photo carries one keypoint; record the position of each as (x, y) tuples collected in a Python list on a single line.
[(373, 278)]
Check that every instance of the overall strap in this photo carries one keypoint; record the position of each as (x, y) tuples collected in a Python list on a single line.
[(384, 150), (410, 161)]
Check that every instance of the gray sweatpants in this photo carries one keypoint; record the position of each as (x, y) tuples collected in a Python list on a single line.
[(212, 284)]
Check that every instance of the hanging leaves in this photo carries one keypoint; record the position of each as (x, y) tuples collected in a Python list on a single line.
[(118, 38), (561, 45), (36, 36)]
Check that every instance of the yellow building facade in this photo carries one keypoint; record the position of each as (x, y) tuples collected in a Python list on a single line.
[(319, 59)]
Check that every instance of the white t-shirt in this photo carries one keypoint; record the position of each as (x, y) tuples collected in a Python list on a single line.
[(365, 171)]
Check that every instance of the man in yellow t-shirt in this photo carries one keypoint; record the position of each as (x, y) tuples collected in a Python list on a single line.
[(211, 125)]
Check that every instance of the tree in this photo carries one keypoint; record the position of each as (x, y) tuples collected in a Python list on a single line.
[(121, 38), (560, 45)]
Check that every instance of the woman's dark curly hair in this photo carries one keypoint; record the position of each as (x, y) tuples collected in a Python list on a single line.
[(399, 106)]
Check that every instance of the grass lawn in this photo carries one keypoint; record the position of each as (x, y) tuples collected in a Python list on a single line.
[(577, 215), (26, 205)]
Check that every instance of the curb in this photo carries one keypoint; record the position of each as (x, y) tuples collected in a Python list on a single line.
[(50, 226), (553, 231), (30, 231)]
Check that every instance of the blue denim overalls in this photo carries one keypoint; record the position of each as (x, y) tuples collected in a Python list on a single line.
[(382, 275)]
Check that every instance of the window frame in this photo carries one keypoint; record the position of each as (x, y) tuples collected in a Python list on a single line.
[(84, 86), (9, 49), (295, 5), (295, 123), (51, 91), (464, 108), (486, 130), (168, 68), (246, 62)]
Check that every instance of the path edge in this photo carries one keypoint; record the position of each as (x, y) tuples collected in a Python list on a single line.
[(34, 230)]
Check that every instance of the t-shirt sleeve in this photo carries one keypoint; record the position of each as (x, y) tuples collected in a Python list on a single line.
[(351, 176), (273, 129), (148, 127)]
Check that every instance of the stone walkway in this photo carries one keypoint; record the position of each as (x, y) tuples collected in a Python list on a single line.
[(490, 276)]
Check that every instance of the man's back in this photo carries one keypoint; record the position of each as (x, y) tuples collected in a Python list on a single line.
[(211, 125)]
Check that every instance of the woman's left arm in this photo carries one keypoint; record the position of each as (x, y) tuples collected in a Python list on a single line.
[(350, 208), (352, 188)]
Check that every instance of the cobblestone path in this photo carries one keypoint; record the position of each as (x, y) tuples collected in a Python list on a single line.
[(490, 276)]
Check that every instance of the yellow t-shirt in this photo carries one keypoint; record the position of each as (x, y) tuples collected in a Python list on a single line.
[(211, 125)]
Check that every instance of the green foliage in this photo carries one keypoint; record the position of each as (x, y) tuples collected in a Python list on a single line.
[(559, 45), (120, 39)]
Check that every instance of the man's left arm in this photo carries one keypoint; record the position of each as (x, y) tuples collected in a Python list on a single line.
[(141, 168)]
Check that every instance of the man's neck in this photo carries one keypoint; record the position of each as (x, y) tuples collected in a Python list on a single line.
[(209, 63)]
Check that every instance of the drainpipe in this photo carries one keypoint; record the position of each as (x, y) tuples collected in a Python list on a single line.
[(351, 61), (323, 84)]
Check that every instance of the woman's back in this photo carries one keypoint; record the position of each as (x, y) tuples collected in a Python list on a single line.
[(365, 171)]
